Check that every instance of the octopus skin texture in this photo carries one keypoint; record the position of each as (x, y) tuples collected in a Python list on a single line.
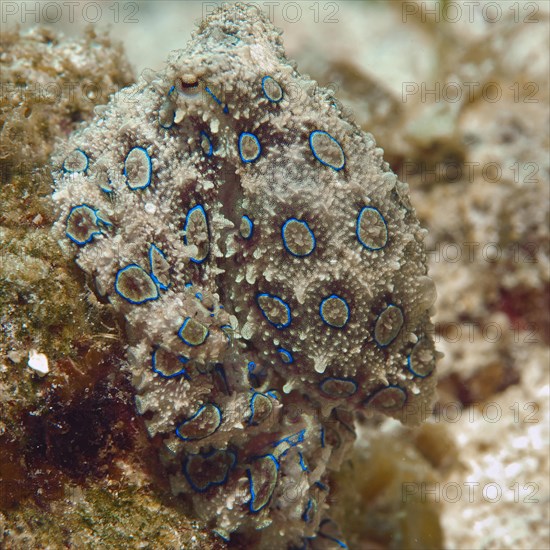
[(270, 270)]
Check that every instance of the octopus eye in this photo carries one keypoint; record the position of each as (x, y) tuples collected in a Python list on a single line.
[(187, 84)]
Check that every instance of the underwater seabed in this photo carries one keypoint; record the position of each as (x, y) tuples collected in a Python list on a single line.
[(458, 100)]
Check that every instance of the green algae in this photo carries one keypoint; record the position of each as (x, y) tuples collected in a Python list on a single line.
[(100, 517)]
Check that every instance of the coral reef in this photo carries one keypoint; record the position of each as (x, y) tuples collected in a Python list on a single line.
[(270, 269), (48, 86), (504, 459)]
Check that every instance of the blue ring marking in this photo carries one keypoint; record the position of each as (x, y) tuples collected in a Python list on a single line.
[(296, 438), (225, 329), (321, 486), (101, 221), (273, 394), (165, 126), (254, 380), (311, 137), (186, 223), (358, 225), (182, 328), (266, 94), (207, 455), (379, 391), (173, 111), (322, 437), (415, 373), (396, 334), (134, 266), (286, 356), (221, 535), (292, 441), (342, 300), (210, 146), (181, 359), (252, 405), (198, 295), (330, 379), (149, 170), (249, 225), (187, 285), (411, 369), (191, 418), (251, 482), (83, 171), (410, 366), (255, 373), (329, 537), (256, 140), (217, 100), (311, 234), (107, 188), (283, 303), (305, 515), (303, 465), (152, 249), (96, 220)]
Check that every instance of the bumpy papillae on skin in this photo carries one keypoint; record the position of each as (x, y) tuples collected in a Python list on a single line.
[(270, 269)]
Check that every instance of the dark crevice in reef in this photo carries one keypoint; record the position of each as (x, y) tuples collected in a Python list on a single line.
[(75, 436), (81, 437)]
